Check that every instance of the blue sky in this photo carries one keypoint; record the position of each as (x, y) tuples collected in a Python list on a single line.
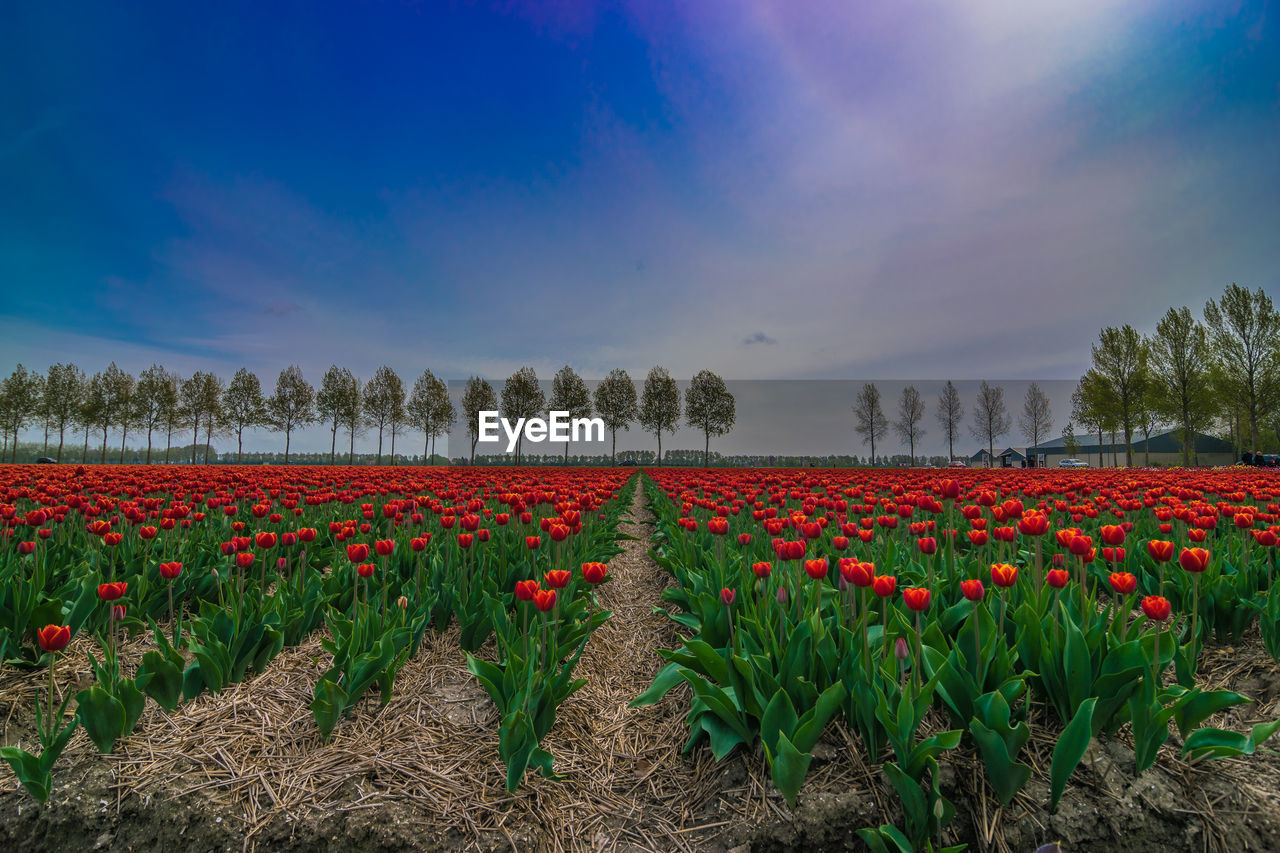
[(766, 189)]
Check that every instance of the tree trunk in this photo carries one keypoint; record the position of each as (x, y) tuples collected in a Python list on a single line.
[(239, 445), (208, 438), (659, 448), (393, 444), (333, 442), (566, 454), (45, 452), (84, 454), (706, 449), (379, 462), (195, 442), (432, 455), (288, 433), (124, 436), (150, 429), (102, 457), (168, 442), (351, 451), (62, 433), (473, 449), (426, 449), (613, 454)]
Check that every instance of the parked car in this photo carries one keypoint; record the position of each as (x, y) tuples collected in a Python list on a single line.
[(45, 460), (1073, 463), (958, 463)]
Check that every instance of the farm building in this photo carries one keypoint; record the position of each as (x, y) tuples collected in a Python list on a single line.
[(1014, 457), (981, 459), (1163, 449)]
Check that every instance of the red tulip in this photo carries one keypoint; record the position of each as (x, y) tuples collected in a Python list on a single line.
[(927, 545), (244, 559), (1156, 607), (1123, 582), (366, 570), (972, 589), (465, 539), (816, 569), (593, 573), (544, 599), (762, 569), (169, 571), (718, 526), (884, 585), (727, 596), (856, 573), (1160, 550), (1004, 575), (358, 552), (53, 638), (265, 540), (112, 591), (916, 598), (147, 532), (1057, 578), (532, 542), (1194, 559), (384, 547), (557, 578), (525, 590), (1112, 534)]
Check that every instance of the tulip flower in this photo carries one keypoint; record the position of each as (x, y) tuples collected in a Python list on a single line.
[(1123, 583), (916, 598), (972, 589), (1194, 559), (366, 570), (594, 573), (816, 569), (112, 591), (526, 590), (544, 599), (1004, 575), (762, 569), (358, 552), (384, 547), (1156, 608), (53, 638), (557, 578)]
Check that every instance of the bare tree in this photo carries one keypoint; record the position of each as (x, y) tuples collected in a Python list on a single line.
[(1244, 329), (990, 417), (293, 405), (157, 397), (64, 390), (1036, 419), (869, 418), (616, 404), (20, 395), (569, 394), (430, 410), (522, 398), (910, 414), (660, 405), (244, 406), (477, 397), (338, 404), (950, 415), (710, 407), (1180, 360), (201, 400), (1120, 358)]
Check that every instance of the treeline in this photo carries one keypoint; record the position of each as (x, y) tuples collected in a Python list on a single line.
[(162, 405), (1220, 375), (65, 402), (708, 405), (1217, 374)]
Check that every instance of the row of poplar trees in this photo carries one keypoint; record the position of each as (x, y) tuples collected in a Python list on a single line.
[(160, 403), (708, 405)]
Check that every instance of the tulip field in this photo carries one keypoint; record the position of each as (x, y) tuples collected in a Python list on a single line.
[(540, 658)]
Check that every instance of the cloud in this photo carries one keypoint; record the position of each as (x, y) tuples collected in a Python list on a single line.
[(758, 338)]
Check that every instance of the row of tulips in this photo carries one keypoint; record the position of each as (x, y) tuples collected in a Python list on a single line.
[(239, 586), (808, 604)]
